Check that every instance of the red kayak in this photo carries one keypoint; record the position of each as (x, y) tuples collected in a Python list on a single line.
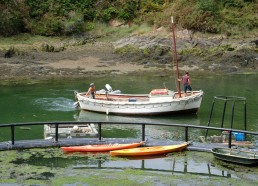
[(100, 148)]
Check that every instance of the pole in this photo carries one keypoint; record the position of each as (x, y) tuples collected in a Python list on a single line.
[(175, 55)]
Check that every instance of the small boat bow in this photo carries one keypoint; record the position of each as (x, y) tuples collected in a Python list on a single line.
[(236, 155)]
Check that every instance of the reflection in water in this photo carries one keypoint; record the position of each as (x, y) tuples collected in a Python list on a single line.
[(171, 165), (151, 131), (93, 116), (179, 163), (52, 164)]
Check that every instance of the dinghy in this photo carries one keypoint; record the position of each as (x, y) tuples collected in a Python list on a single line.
[(236, 156)]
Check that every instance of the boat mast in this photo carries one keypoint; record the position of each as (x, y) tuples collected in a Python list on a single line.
[(175, 55)]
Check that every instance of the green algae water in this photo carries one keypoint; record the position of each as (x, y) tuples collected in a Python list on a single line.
[(54, 101), (52, 167)]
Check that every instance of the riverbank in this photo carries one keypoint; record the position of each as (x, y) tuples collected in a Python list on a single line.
[(128, 55)]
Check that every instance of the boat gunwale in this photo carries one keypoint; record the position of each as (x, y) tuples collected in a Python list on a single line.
[(114, 102)]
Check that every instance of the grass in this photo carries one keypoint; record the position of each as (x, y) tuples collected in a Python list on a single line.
[(24, 42), (27, 39), (113, 33)]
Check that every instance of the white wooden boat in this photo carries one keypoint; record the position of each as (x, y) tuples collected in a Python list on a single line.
[(158, 101)]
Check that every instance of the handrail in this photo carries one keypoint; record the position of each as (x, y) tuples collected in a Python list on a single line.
[(226, 99), (143, 124)]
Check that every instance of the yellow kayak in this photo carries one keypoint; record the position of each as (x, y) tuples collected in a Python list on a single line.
[(145, 151)]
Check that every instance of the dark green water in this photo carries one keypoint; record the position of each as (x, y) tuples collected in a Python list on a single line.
[(53, 101)]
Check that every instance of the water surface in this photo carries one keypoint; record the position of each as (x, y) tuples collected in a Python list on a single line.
[(54, 101)]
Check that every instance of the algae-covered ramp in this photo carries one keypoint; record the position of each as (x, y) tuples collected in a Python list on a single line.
[(50, 166)]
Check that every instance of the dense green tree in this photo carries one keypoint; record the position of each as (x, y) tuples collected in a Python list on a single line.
[(64, 17), (13, 14)]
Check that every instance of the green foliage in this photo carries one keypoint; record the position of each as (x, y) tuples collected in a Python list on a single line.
[(109, 13), (49, 25), (150, 6), (207, 5), (12, 15), (233, 3), (37, 8), (74, 24), (59, 17), (65, 17), (197, 17), (127, 49), (129, 10), (237, 22), (47, 48), (89, 26)]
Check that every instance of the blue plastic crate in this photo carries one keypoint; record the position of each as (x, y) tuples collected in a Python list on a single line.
[(239, 136)]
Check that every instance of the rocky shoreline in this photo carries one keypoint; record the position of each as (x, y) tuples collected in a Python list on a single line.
[(132, 55)]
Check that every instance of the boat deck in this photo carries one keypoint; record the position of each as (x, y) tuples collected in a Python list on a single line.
[(122, 98), (141, 98)]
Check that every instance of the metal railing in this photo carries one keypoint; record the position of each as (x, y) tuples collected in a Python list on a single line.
[(227, 100), (143, 128)]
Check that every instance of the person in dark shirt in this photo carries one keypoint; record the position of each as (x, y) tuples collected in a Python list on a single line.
[(186, 82)]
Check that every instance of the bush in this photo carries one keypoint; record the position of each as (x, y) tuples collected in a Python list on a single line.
[(49, 25), (192, 17), (128, 10), (74, 24), (208, 5), (233, 3), (109, 14), (12, 15)]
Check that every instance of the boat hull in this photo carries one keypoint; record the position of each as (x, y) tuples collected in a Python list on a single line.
[(136, 105), (100, 148), (147, 151), (236, 156)]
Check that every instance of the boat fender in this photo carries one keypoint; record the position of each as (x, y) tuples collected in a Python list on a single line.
[(107, 111)]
